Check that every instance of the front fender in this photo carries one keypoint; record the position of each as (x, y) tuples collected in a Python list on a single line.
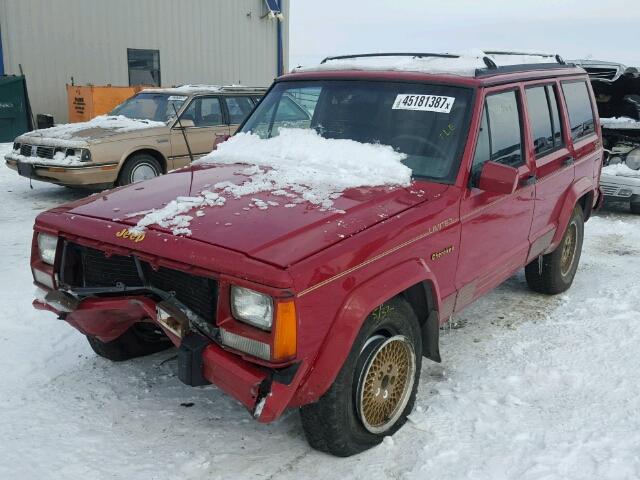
[(350, 318), (578, 189)]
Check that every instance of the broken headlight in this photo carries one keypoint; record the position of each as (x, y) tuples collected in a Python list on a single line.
[(252, 307), (47, 245)]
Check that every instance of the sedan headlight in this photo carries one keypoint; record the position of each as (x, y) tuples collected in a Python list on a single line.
[(633, 159), (16, 146), (47, 245), (252, 307), (85, 156)]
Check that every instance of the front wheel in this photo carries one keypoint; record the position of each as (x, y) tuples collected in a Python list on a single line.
[(138, 168), (554, 272), (376, 388)]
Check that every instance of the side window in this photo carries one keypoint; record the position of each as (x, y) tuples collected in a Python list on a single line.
[(239, 108), (483, 149), (576, 95), (500, 137), (558, 141), (204, 112), (540, 120), (210, 112)]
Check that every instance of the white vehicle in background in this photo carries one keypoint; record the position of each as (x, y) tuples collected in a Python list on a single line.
[(617, 90)]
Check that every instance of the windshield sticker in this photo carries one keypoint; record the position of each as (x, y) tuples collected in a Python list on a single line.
[(177, 98), (425, 103)]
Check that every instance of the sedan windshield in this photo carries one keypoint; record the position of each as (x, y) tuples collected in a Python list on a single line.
[(150, 106), (428, 123)]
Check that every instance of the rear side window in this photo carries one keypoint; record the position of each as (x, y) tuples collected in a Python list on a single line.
[(500, 136), (544, 119), (239, 108), (576, 95)]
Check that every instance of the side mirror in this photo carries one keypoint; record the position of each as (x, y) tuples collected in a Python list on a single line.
[(185, 122), (498, 178), (220, 139)]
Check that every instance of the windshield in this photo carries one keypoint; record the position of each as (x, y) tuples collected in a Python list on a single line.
[(150, 106), (428, 123)]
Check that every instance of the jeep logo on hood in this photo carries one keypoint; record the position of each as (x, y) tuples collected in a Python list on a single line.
[(133, 236)]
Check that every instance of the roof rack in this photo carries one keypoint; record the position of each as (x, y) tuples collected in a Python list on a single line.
[(488, 62), (477, 64)]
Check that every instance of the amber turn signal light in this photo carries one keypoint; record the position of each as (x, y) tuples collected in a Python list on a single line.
[(285, 338)]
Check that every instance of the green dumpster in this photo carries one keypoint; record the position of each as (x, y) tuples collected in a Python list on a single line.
[(14, 113)]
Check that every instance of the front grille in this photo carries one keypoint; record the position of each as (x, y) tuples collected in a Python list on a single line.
[(45, 152), (41, 151), (97, 270), (604, 73), (25, 150)]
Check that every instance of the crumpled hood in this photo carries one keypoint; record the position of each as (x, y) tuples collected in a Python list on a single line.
[(276, 235)]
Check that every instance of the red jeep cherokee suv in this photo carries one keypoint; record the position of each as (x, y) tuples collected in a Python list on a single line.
[(331, 310)]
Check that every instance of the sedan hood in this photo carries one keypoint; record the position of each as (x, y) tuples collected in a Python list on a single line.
[(273, 233), (102, 128)]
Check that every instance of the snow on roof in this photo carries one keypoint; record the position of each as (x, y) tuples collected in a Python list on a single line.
[(65, 135), (621, 123), (191, 89), (464, 64), (299, 165)]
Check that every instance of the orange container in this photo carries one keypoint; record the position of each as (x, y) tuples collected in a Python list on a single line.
[(88, 101)]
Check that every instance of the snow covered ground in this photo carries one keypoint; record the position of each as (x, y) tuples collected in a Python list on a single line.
[(531, 387)]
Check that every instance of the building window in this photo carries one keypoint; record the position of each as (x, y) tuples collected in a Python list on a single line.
[(144, 67)]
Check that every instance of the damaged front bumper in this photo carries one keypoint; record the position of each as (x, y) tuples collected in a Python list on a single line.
[(265, 392)]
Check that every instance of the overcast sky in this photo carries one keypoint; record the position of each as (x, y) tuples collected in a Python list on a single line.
[(605, 30)]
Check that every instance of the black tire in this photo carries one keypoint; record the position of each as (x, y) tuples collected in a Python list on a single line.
[(635, 204), (559, 267), (334, 424), (133, 164), (140, 340)]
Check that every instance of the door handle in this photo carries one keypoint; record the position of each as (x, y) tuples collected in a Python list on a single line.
[(530, 180), (567, 161)]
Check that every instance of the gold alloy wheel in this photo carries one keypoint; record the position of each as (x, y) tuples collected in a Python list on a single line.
[(569, 249), (386, 384)]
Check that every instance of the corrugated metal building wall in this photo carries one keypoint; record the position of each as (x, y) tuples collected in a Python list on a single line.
[(200, 41)]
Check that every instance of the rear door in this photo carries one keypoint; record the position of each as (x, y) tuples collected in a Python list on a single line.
[(495, 227), (208, 121), (548, 144), (238, 108), (585, 132)]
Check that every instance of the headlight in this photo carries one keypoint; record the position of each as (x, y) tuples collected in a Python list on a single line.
[(16, 146), (47, 247), (252, 307), (86, 155), (633, 159), (71, 152)]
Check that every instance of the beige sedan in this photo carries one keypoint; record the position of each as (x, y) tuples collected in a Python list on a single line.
[(142, 138)]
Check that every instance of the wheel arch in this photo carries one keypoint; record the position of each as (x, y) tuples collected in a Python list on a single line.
[(581, 192), (148, 151), (413, 281)]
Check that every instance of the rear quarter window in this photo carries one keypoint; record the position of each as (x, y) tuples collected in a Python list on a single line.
[(581, 119)]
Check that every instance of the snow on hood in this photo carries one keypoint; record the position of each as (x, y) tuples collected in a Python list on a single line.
[(620, 123), (298, 165), (78, 134)]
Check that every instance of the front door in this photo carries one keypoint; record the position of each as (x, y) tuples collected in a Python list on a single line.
[(495, 227), (202, 120)]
